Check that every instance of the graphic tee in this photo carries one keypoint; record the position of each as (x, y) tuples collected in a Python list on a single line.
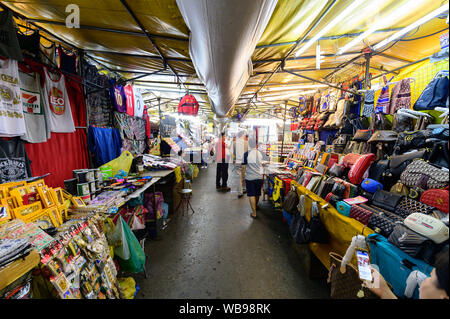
[(14, 162), (138, 103), (37, 129), (12, 121), (129, 96), (118, 97), (57, 104)]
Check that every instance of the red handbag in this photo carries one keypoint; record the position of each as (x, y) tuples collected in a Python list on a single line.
[(360, 214), (355, 175), (438, 198)]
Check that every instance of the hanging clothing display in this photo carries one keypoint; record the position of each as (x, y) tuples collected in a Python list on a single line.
[(9, 45), (12, 122), (146, 118), (368, 107), (30, 44), (14, 162), (401, 96), (129, 96), (104, 143), (188, 105), (132, 131), (138, 102), (67, 61), (118, 97), (37, 128), (56, 103), (47, 55)]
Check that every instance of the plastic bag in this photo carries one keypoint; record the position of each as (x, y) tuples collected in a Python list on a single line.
[(118, 239), (136, 261), (120, 165), (128, 286)]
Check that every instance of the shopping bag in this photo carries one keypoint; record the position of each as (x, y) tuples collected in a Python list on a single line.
[(120, 165), (118, 240), (136, 261)]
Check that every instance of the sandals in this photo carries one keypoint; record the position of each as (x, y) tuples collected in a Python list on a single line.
[(251, 215)]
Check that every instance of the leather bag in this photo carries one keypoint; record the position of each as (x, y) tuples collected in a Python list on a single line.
[(407, 206), (400, 189), (360, 213), (290, 202), (386, 200), (424, 175), (434, 95), (318, 232), (344, 278), (382, 221), (362, 135), (438, 198)]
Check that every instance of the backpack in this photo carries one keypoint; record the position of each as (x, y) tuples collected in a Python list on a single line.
[(188, 105), (435, 94)]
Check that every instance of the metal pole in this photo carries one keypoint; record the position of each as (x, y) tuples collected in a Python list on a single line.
[(367, 78), (325, 83), (284, 126), (160, 139)]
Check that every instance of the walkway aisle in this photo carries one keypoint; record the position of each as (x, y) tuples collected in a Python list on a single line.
[(220, 252)]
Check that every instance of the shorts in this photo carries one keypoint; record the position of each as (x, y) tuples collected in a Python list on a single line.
[(253, 187)]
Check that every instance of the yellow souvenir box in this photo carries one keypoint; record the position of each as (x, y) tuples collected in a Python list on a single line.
[(27, 211)]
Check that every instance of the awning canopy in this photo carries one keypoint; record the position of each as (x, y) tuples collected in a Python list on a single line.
[(132, 38)]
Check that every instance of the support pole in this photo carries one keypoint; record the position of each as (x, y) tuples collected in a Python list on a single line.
[(367, 78), (160, 138), (284, 126)]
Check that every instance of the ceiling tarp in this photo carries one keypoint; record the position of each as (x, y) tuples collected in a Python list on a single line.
[(223, 37), (110, 34)]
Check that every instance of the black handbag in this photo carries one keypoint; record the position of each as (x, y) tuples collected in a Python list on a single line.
[(377, 170), (434, 95), (439, 154), (386, 200), (318, 232), (380, 122), (382, 221), (299, 227)]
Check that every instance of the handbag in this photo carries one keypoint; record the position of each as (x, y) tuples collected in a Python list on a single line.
[(357, 170), (394, 264), (371, 185), (386, 200), (360, 213), (336, 170), (343, 208), (362, 135), (318, 232), (344, 278), (399, 188), (439, 154), (407, 206), (425, 175), (382, 221), (414, 244), (380, 122), (290, 202), (402, 123), (378, 169), (434, 95), (438, 198), (398, 163), (299, 227)]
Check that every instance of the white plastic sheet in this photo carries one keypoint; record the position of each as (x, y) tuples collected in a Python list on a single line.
[(223, 37)]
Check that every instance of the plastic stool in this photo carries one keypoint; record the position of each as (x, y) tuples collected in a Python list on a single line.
[(185, 202)]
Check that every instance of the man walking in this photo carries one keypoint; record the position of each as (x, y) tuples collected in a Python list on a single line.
[(222, 164), (253, 160)]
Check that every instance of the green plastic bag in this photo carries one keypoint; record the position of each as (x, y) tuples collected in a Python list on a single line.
[(136, 261), (121, 164)]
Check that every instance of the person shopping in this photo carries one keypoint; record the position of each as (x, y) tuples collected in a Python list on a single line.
[(222, 160), (253, 160), (433, 287), (240, 146)]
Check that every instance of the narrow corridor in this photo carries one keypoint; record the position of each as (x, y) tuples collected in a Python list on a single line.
[(220, 252)]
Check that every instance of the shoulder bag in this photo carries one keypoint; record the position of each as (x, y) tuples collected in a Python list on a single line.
[(290, 202), (438, 198), (318, 232), (407, 206), (434, 95), (425, 175), (386, 200)]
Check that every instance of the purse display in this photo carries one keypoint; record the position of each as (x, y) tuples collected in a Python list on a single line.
[(371, 185), (358, 169), (399, 188), (386, 200), (425, 175), (360, 213)]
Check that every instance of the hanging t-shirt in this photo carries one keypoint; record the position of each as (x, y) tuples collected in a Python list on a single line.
[(12, 122), (56, 103), (14, 162), (67, 61), (37, 129), (118, 97), (128, 89), (138, 103), (9, 45)]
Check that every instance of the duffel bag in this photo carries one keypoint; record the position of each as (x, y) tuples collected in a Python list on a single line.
[(394, 264)]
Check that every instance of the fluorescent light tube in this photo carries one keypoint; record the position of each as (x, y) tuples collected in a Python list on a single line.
[(385, 22), (329, 26), (419, 22)]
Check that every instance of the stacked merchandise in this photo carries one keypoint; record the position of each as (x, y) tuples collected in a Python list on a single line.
[(132, 132), (393, 178)]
